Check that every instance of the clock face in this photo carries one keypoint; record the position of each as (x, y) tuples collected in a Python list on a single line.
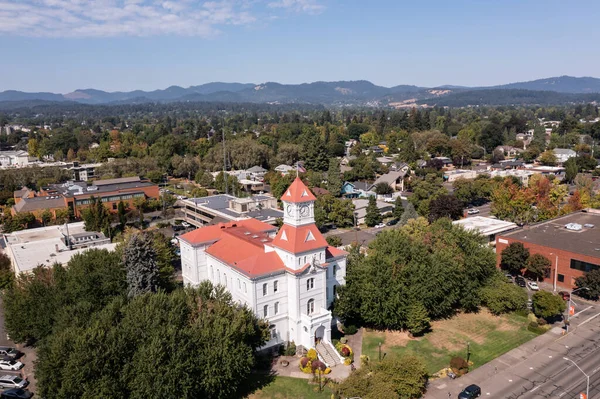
[(304, 210), (288, 209)]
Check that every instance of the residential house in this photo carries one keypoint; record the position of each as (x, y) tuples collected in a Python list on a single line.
[(452, 175), (257, 173), (288, 277), (285, 169), (14, 159), (394, 179), (360, 208), (563, 154), (357, 189), (509, 151)]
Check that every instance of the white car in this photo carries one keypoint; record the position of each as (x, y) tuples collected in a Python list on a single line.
[(473, 211), (380, 225), (13, 381), (11, 365), (185, 224), (533, 286)]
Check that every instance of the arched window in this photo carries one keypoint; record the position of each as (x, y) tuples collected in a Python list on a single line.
[(225, 279), (276, 310), (218, 277), (264, 289), (266, 310), (212, 273), (310, 306)]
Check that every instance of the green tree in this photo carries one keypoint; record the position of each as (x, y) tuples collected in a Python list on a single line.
[(122, 214), (139, 257), (398, 208), (571, 170), (334, 179), (426, 190), (591, 281), (408, 214), (547, 305), (62, 215), (373, 215), (334, 241), (514, 258), (179, 327), (548, 158), (140, 204), (96, 217), (445, 206), (315, 156), (46, 217), (383, 189), (500, 297), (417, 319), (6, 273), (538, 266)]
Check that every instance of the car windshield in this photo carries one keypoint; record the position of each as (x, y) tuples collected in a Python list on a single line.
[(18, 380)]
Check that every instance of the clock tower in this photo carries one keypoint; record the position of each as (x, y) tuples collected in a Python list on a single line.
[(298, 204)]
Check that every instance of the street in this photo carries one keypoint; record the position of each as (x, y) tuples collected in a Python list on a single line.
[(538, 369)]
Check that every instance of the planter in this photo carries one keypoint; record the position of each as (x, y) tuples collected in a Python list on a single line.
[(284, 363)]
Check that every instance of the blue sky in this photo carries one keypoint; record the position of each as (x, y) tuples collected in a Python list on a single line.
[(63, 45)]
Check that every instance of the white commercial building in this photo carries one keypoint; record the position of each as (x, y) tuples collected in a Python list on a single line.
[(288, 277), (15, 159), (46, 246), (487, 227)]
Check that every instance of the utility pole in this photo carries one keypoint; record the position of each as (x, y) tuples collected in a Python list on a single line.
[(225, 176)]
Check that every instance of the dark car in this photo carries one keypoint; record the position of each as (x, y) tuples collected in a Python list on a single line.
[(392, 222), (17, 393), (520, 281), (470, 392), (9, 353)]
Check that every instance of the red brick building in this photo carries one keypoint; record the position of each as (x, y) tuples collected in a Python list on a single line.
[(571, 243)]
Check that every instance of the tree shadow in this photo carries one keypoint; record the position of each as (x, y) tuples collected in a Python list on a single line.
[(261, 376)]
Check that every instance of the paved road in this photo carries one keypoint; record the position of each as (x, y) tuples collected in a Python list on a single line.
[(537, 369), (484, 210)]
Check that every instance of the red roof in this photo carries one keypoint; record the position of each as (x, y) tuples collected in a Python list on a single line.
[(214, 233), (298, 192), (299, 239), (333, 252)]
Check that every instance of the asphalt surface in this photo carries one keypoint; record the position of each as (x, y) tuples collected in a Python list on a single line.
[(537, 369)]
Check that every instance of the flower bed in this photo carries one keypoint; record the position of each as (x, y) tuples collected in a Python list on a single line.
[(346, 351), (310, 364)]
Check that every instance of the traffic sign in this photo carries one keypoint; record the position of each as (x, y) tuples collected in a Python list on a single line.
[(572, 310)]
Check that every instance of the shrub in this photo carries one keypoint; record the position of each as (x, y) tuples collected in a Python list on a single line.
[(535, 328), (304, 362), (318, 365), (350, 330), (327, 370), (343, 340), (541, 322), (345, 351), (459, 365), (347, 361), (291, 349), (312, 354)]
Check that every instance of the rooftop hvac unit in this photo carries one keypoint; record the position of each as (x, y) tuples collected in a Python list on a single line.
[(574, 226)]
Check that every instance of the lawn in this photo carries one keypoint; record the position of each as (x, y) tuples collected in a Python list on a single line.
[(290, 388), (488, 336)]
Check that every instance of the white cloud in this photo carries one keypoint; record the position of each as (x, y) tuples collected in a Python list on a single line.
[(307, 6), (106, 18)]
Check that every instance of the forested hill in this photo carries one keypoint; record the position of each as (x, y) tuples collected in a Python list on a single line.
[(559, 90)]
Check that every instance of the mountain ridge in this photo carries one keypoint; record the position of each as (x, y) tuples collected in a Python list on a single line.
[(355, 92)]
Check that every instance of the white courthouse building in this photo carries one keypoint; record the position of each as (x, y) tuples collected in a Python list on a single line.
[(288, 277)]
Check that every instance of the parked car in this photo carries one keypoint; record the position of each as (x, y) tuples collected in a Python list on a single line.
[(472, 211), (380, 225), (565, 295), (470, 392), (509, 278), (520, 281), (13, 365), (17, 393), (7, 352), (533, 286), (392, 222), (12, 381), (177, 228), (185, 224)]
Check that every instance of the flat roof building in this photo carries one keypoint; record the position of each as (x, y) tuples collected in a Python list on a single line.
[(226, 208), (46, 246), (487, 227), (570, 242)]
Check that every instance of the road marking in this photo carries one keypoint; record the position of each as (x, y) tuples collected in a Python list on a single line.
[(590, 319), (550, 356), (530, 368), (567, 346), (509, 380), (535, 388)]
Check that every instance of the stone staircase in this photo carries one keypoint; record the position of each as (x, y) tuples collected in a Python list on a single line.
[(328, 354)]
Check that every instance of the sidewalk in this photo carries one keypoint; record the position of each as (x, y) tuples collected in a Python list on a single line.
[(438, 389)]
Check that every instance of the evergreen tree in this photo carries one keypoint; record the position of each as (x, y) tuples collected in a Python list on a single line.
[(121, 214), (409, 213), (417, 319), (316, 157), (373, 215), (96, 217), (139, 257), (334, 180), (398, 208)]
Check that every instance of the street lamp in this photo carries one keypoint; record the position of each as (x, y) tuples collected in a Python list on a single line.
[(555, 271), (379, 350), (468, 352), (569, 305), (587, 389)]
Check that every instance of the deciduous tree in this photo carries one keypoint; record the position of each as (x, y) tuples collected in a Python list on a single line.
[(514, 258)]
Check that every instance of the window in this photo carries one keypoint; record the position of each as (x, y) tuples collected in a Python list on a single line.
[(114, 207), (561, 278), (225, 279), (275, 284), (304, 259), (310, 306), (273, 329), (239, 284), (276, 310), (265, 310), (245, 290), (583, 266), (212, 273), (310, 284), (264, 289), (218, 276), (334, 290)]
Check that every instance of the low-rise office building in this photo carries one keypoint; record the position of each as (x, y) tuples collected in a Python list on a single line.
[(570, 242), (487, 227), (46, 246), (226, 208), (452, 175)]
